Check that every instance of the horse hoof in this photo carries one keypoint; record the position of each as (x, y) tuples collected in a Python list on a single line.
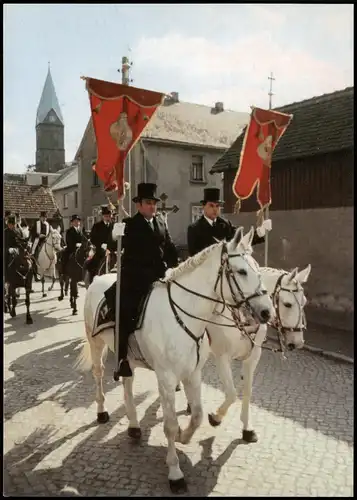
[(178, 388), (188, 410), (13, 314), (44, 295), (60, 298), (74, 313), (178, 486), (250, 436), (134, 433), (29, 321), (213, 421), (103, 417)]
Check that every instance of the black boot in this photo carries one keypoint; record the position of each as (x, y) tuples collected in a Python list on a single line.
[(124, 369)]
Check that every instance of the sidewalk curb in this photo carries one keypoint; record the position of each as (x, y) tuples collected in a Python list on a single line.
[(321, 352)]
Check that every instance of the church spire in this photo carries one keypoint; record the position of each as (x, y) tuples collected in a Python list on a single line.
[(48, 101)]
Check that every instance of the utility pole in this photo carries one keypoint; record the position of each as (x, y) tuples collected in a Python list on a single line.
[(270, 94), (126, 80)]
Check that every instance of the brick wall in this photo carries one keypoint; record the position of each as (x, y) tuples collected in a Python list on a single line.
[(320, 237)]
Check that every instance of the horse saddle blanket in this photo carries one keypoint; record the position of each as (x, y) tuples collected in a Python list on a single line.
[(101, 322)]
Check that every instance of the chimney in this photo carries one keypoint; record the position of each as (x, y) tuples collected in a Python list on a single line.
[(219, 107), (175, 97), (44, 181)]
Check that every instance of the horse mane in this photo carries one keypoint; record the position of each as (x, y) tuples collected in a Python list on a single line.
[(189, 264), (274, 272)]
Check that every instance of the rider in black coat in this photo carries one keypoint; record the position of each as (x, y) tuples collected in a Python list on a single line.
[(202, 233), (148, 251), (101, 234), (74, 237), (12, 241)]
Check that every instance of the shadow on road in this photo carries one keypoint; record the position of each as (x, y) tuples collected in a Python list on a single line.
[(102, 466)]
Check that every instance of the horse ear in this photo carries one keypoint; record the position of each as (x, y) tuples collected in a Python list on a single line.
[(236, 238), (246, 241), (303, 275), (292, 275)]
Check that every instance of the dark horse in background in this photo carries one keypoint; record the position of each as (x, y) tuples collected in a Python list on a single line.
[(73, 271), (19, 274)]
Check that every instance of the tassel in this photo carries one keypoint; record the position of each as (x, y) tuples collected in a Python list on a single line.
[(237, 206), (260, 217)]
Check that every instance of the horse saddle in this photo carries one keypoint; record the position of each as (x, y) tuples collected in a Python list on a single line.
[(102, 322)]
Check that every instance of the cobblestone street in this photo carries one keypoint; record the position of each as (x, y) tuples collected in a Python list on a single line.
[(302, 410)]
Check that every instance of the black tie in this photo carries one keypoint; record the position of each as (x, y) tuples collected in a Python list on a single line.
[(214, 224)]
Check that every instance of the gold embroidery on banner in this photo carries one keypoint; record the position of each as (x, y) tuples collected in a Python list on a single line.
[(121, 132)]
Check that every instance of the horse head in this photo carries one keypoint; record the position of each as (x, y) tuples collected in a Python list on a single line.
[(54, 239), (243, 280)]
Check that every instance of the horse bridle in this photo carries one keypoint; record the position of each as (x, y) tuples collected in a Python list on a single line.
[(225, 268), (278, 324)]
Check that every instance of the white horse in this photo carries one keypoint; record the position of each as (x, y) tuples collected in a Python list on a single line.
[(47, 257), (172, 339), (285, 289)]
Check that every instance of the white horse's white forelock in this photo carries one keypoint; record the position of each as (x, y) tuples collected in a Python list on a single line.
[(165, 345), (47, 257)]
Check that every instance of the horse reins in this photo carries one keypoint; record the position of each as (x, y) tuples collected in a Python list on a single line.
[(224, 267)]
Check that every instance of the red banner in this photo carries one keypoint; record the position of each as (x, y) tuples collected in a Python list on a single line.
[(262, 135), (119, 113)]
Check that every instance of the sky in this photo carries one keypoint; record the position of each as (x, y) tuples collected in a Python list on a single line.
[(207, 53)]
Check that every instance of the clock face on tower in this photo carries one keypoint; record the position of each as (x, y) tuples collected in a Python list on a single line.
[(52, 118)]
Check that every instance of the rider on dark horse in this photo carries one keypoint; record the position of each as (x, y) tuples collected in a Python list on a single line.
[(101, 238), (39, 232), (148, 251), (12, 243), (74, 239)]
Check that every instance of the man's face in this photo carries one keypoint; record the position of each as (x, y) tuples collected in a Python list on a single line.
[(107, 218), (147, 208), (10, 225), (212, 210), (76, 223), (43, 219)]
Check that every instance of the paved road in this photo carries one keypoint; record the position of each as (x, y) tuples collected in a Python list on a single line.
[(302, 409)]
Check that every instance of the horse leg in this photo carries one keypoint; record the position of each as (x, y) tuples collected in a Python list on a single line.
[(224, 368), (74, 291), (50, 288), (134, 430), (66, 281), (12, 301), (43, 287), (192, 388), (167, 386), (17, 293), (61, 282), (249, 366), (97, 347), (29, 320)]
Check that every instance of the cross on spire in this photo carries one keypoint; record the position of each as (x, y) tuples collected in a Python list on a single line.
[(270, 93)]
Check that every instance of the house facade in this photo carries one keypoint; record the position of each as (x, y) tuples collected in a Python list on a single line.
[(177, 150), (312, 200), (66, 193)]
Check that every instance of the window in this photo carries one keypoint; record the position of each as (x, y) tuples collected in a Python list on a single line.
[(197, 169), (95, 179), (90, 222), (76, 199), (65, 201), (196, 212)]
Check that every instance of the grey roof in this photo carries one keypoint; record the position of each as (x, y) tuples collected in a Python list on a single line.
[(68, 178), (188, 123), (48, 101)]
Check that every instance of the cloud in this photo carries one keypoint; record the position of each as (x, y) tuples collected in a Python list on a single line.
[(237, 72)]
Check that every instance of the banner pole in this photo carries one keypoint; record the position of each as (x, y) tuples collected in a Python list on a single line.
[(266, 241), (117, 302)]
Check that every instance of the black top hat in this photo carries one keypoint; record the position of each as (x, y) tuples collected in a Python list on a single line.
[(75, 217), (7, 213), (211, 194), (11, 219), (146, 191), (43, 214), (106, 210)]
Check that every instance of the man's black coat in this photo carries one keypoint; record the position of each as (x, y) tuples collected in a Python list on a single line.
[(201, 234)]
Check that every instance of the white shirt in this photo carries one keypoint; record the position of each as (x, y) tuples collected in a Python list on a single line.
[(210, 221), (151, 223)]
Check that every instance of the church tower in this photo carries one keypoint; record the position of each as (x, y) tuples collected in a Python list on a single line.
[(50, 154)]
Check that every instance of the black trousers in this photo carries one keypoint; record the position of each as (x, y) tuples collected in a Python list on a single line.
[(131, 296)]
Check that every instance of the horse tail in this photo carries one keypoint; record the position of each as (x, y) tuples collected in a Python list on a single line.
[(84, 360)]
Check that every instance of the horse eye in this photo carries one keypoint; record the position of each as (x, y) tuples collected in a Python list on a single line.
[(242, 272), (287, 304)]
